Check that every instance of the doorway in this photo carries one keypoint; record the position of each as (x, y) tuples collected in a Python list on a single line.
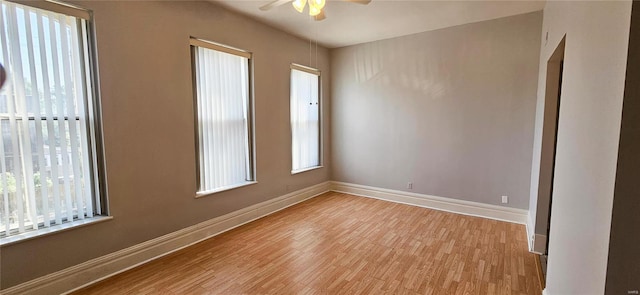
[(553, 86)]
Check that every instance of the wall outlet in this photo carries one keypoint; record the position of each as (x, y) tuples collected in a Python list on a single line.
[(410, 185), (505, 199)]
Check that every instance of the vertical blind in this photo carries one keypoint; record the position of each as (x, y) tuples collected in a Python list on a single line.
[(222, 99), (45, 167), (305, 125)]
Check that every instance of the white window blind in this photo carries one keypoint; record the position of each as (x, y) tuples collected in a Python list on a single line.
[(223, 117), (305, 123), (46, 167)]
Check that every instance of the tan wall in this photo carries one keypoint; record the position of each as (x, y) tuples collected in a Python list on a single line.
[(595, 57), (450, 110), (147, 104)]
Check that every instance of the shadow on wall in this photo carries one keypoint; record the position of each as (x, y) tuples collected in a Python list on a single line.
[(449, 111), (384, 70)]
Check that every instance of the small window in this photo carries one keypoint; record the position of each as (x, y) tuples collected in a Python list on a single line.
[(49, 171), (223, 116), (305, 118)]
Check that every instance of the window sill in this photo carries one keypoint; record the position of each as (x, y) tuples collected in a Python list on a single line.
[(222, 189), (10, 240), (306, 169)]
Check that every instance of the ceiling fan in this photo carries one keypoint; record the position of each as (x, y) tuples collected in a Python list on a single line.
[(316, 7)]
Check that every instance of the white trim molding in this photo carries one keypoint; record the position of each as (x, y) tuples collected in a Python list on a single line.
[(95, 270), (438, 203), (530, 231), (92, 271)]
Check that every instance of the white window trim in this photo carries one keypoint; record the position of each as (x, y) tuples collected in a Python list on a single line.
[(309, 70), (196, 42), (56, 6), (220, 47), (318, 73), (293, 172), (97, 154), (14, 239), (201, 194)]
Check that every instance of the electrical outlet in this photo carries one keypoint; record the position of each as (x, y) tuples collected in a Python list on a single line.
[(505, 199), (410, 185)]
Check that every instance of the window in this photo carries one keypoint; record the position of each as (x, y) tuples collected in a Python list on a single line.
[(305, 118), (48, 118), (223, 117)]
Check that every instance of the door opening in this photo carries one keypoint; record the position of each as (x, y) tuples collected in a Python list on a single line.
[(555, 68)]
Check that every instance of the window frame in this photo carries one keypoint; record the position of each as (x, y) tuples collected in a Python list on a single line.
[(93, 112), (318, 73), (252, 172)]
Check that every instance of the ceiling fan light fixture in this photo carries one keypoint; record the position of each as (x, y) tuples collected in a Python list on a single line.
[(313, 11), (320, 16), (318, 3), (299, 4), (315, 7)]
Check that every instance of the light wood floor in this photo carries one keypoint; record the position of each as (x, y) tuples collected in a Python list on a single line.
[(343, 244)]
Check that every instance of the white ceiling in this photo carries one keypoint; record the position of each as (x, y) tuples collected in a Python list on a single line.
[(350, 23)]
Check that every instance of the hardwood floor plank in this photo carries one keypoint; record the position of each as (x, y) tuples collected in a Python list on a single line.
[(342, 244)]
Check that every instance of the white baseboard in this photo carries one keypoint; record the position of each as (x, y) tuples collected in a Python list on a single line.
[(537, 243), (84, 274), (438, 203), (530, 231), (540, 244), (92, 271)]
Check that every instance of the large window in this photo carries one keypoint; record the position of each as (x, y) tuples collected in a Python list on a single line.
[(305, 118), (48, 119), (223, 116)]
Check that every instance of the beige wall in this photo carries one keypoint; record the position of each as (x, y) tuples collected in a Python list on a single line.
[(450, 110), (458, 122), (147, 104), (589, 127)]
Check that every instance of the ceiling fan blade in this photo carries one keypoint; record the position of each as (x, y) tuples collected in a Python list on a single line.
[(365, 2), (273, 4), (320, 16)]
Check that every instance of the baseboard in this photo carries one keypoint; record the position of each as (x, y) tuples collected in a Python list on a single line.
[(537, 243), (92, 271), (438, 203), (540, 244), (530, 232), (545, 292)]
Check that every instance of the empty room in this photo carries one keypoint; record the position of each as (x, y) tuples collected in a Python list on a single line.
[(319, 147)]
